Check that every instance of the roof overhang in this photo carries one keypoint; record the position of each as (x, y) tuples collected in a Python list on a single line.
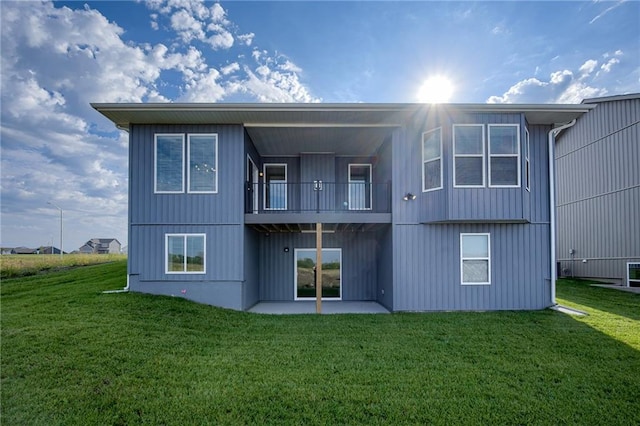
[(317, 115), (342, 129)]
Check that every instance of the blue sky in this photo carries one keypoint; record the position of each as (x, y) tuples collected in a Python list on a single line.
[(58, 57)]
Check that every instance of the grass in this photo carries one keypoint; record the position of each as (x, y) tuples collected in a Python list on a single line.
[(17, 265), (72, 355)]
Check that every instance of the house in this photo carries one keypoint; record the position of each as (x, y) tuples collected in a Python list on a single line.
[(24, 250), (100, 246), (598, 192), (48, 250), (416, 207)]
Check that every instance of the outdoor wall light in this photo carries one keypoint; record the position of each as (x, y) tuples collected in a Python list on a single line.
[(286, 249), (409, 196)]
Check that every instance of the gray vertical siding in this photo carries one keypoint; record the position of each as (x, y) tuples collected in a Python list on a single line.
[(227, 206), (598, 191), (359, 257), (251, 289), (385, 268), (219, 216), (449, 203), (427, 268), (426, 257)]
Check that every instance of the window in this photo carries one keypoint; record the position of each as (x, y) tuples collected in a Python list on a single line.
[(504, 155), (359, 186), (275, 186), (468, 155), (169, 170), (527, 163), (203, 163), (202, 166), (633, 274), (432, 160), (475, 259), (185, 253)]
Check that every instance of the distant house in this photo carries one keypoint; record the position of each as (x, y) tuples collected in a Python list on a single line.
[(598, 191), (24, 250), (416, 207), (101, 246), (48, 250)]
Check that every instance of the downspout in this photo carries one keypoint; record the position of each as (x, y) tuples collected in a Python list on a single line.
[(552, 201), (124, 290)]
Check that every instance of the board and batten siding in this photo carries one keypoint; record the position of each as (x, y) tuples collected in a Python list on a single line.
[(598, 190), (426, 268), (219, 216), (450, 203), (426, 256)]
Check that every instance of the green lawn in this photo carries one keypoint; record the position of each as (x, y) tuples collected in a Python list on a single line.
[(72, 355)]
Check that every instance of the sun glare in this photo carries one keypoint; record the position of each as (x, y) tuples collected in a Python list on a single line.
[(435, 89)]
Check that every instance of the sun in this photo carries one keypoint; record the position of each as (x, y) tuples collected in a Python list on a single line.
[(436, 89)]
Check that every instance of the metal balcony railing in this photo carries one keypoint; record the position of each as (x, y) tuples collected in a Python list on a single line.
[(318, 196)]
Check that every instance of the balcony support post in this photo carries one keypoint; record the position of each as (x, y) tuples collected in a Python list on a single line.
[(318, 268)]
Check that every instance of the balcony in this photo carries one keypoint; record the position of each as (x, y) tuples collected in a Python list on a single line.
[(310, 202)]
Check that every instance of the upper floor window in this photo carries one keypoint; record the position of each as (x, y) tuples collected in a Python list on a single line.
[(169, 168), (468, 155), (201, 164), (504, 155), (432, 160)]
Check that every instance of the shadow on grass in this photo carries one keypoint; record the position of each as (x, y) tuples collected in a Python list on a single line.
[(581, 293)]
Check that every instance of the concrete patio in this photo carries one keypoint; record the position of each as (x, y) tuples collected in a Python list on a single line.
[(309, 307)]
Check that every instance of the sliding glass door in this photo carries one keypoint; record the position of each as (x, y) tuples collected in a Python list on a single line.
[(306, 276)]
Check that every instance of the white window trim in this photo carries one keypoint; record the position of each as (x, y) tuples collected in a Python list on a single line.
[(628, 273), (155, 164), (484, 178), (527, 159), (431, 160), (488, 258), (265, 183), (185, 272), (517, 155), (188, 165), (370, 185)]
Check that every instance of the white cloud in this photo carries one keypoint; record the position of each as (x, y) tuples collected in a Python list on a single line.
[(246, 39), (610, 63), (588, 67), (562, 87), (231, 68), (56, 60)]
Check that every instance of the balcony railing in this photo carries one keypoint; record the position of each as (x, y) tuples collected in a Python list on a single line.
[(318, 196)]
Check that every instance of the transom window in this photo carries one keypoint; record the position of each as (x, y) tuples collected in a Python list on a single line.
[(185, 253), (468, 155), (432, 160), (201, 163), (504, 155), (475, 259)]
